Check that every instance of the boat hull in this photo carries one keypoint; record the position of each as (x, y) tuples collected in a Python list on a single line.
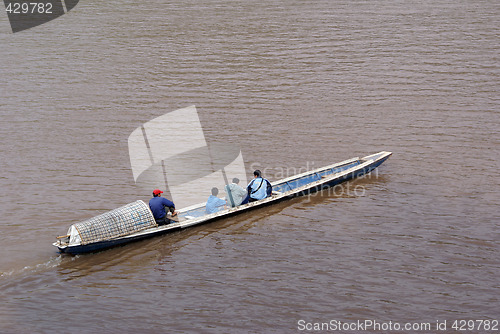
[(298, 185), (106, 244)]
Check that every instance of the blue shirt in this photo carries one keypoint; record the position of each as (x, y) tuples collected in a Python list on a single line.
[(157, 206), (259, 188), (214, 204)]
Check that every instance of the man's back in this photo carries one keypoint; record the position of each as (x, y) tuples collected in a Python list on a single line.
[(214, 204), (235, 192), (157, 206), (258, 188)]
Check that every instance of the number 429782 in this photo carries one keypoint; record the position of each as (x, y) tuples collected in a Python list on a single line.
[(475, 325), (29, 8)]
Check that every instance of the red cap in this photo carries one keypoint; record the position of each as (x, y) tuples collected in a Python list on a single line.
[(157, 191)]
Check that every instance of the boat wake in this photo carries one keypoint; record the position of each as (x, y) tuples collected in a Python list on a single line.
[(35, 269)]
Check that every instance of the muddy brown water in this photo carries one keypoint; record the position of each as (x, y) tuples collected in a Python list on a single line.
[(297, 86)]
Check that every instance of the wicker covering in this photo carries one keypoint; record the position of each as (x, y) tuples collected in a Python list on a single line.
[(125, 220)]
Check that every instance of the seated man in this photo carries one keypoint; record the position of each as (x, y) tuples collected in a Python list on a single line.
[(235, 193), (157, 204), (258, 188), (214, 203)]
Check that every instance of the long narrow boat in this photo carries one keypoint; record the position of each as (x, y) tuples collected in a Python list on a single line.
[(135, 221)]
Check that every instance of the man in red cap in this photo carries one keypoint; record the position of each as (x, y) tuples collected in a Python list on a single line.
[(158, 204)]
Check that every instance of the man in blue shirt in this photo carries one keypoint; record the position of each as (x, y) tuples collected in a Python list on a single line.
[(258, 188), (158, 204), (214, 203)]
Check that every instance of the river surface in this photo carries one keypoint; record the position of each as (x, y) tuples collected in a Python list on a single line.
[(297, 85)]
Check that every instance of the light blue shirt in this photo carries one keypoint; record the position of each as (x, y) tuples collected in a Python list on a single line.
[(214, 204), (258, 188)]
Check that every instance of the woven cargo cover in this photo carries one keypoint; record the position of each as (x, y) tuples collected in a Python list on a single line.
[(125, 220)]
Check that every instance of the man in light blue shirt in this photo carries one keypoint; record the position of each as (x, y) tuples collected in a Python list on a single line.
[(259, 188), (214, 203)]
